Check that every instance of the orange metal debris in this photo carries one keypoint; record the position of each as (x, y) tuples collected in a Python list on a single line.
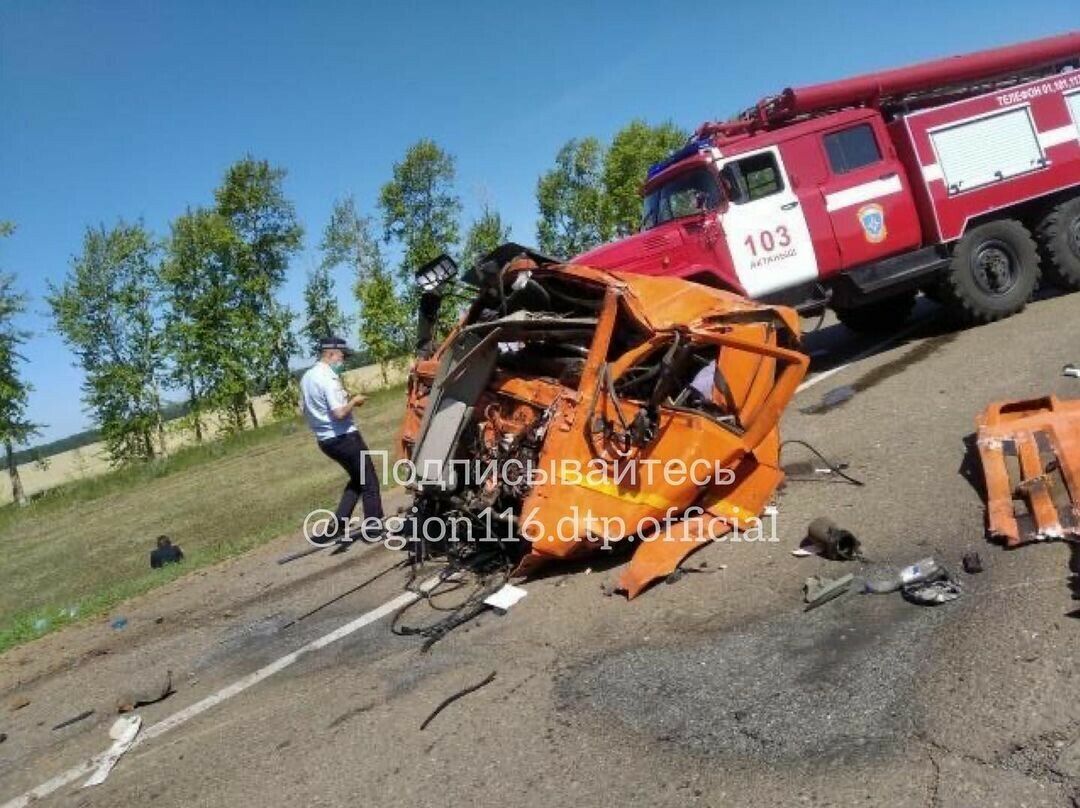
[(637, 325), (1030, 453)]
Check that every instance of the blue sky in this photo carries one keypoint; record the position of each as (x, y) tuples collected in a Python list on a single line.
[(134, 109)]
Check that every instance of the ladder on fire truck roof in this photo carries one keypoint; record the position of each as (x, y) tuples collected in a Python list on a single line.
[(908, 88)]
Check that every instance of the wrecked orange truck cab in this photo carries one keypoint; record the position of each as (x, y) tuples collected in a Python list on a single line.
[(571, 408)]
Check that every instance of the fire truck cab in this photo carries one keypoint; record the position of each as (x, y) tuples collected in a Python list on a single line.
[(959, 177)]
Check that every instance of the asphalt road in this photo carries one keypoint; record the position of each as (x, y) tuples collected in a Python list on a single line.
[(715, 690)]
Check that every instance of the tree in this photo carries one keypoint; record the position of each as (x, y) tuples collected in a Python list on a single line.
[(383, 316), (634, 148), (252, 200), (284, 392), (323, 315), (204, 317), (15, 427), (483, 236), (344, 236), (107, 312), (571, 201), (384, 320), (420, 208)]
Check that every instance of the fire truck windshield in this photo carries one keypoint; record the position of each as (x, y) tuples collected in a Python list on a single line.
[(689, 194)]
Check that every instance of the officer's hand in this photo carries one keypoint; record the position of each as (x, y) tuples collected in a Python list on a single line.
[(358, 400)]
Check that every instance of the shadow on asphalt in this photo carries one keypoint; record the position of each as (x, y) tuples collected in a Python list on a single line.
[(971, 467), (835, 344), (619, 553)]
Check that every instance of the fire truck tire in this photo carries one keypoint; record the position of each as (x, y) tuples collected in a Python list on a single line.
[(879, 317), (1059, 240), (993, 274)]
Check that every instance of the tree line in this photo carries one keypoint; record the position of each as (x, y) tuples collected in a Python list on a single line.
[(196, 312)]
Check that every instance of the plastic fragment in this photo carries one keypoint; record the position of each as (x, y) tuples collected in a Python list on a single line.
[(817, 591), (932, 593), (505, 597), (123, 733)]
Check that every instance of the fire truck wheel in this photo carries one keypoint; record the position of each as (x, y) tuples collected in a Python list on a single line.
[(879, 317), (993, 273), (1059, 238)]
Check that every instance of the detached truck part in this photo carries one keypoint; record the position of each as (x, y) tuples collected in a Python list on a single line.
[(958, 176)]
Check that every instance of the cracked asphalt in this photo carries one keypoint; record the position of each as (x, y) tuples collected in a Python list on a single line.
[(715, 690)]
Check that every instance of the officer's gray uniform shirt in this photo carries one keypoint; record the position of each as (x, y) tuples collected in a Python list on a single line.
[(322, 391)]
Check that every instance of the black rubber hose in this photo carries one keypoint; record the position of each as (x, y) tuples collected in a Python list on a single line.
[(831, 466), (451, 699)]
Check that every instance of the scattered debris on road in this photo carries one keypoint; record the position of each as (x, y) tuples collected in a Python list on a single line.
[(146, 697), (817, 591), (486, 571), (67, 722), (925, 582), (1030, 452), (504, 598), (833, 542), (884, 581), (123, 733), (972, 563), (807, 472), (933, 592), (451, 699)]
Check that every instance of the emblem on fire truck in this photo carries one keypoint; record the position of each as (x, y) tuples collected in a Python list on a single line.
[(872, 219)]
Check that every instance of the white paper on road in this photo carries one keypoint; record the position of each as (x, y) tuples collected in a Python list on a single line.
[(123, 733), (505, 597)]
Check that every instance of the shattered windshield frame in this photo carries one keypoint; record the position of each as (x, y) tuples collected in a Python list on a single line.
[(690, 193)]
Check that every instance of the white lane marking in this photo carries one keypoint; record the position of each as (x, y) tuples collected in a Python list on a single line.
[(124, 731), (237, 687), (873, 349), (862, 193)]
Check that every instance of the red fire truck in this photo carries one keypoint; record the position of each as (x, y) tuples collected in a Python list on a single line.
[(958, 177)]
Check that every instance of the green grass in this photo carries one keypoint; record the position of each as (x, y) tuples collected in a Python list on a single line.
[(80, 550)]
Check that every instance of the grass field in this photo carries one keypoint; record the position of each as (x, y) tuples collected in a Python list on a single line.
[(83, 548), (91, 460)]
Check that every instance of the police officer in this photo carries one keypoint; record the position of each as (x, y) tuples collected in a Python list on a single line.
[(329, 412)]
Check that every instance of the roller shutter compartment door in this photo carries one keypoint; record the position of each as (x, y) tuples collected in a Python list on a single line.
[(987, 150), (1074, 107)]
